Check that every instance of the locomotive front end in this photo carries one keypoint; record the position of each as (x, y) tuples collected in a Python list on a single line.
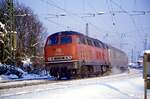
[(60, 54)]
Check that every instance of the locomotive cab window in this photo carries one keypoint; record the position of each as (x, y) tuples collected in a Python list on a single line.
[(52, 41), (65, 40)]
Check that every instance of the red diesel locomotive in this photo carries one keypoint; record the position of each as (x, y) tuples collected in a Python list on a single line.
[(72, 54)]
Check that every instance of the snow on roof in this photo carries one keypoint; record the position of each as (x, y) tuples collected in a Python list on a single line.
[(147, 51)]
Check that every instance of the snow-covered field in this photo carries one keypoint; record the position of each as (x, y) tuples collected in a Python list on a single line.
[(11, 73), (120, 86), (25, 77)]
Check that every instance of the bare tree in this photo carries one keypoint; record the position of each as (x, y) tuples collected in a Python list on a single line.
[(30, 30)]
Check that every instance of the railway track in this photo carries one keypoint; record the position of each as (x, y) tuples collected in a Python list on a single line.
[(25, 83), (17, 84), (59, 85)]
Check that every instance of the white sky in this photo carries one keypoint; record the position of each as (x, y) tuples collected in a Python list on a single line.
[(129, 31)]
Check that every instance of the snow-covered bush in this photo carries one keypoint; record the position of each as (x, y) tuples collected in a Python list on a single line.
[(10, 69)]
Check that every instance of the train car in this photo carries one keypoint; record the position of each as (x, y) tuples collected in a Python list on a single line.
[(72, 54), (118, 59)]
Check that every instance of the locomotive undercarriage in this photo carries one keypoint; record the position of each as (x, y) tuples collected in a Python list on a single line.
[(75, 70)]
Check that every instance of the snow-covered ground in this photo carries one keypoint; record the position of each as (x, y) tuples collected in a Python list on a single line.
[(120, 86), (24, 77), (10, 72)]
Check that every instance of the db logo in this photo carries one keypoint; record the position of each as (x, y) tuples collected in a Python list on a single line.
[(58, 51)]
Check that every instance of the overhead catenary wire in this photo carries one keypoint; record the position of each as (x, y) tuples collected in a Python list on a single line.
[(87, 14), (52, 15), (60, 8), (132, 19), (83, 21), (94, 14), (61, 25), (130, 15), (111, 10), (113, 18)]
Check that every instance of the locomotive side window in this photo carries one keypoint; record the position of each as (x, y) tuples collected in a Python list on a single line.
[(65, 40), (89, 42), (78, 40), (101, 45), (52, 41), (82, 40), (96, 44)]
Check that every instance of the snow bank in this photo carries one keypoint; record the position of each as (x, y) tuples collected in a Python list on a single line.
[(9, 72)]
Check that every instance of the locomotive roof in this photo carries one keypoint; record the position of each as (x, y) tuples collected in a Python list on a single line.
[(75, 33), (66, 33), (117, 49), (78, 33), (72, 33)]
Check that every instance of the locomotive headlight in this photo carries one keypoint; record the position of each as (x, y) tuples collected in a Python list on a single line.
[(69, 57), (50, 58), (65, 57)]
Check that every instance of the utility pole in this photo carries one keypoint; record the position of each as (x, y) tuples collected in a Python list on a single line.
[(87, 29), (132, 55), (145, 42), (10, 36)]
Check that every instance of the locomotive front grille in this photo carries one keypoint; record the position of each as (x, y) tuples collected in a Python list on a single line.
[(59, 58)]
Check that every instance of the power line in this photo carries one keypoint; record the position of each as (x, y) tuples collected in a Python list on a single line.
[(61, 25), (94, 14), (59, 15), (69, 13), (54, 5), (113, 18), (126, 12), (66, 27), (133, 21), (83, 20), (112, 14)]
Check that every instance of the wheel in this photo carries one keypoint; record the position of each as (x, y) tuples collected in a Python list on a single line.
[(84, 72)]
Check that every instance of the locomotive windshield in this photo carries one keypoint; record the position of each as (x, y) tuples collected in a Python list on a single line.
[(65, 40), (53, 41)]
